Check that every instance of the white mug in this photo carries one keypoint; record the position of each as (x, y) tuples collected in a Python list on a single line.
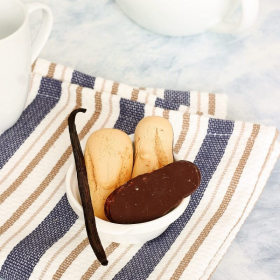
[(189, 17), (17, 54)]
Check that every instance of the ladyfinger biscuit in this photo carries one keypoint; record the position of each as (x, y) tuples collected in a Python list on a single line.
[(109, 161), (153, 142)]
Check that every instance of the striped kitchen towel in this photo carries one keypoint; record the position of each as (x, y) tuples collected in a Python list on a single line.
[(41, 236)]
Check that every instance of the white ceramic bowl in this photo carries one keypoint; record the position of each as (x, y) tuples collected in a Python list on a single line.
[(127, 234)]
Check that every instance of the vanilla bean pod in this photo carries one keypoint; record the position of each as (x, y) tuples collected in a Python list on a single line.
[(92, 233)]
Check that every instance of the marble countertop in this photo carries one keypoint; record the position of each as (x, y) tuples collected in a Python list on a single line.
[(95, 37)]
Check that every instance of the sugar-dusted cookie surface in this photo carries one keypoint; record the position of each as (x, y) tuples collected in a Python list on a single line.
[(109, 161), (153, 140)]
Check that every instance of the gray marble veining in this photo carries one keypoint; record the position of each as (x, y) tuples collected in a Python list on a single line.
[(95, 37)]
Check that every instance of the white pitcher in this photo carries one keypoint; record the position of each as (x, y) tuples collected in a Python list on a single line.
[(17, 54)]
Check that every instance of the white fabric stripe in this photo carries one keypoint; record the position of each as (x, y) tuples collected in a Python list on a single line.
[(193, 100), (98, 84), (176, 120), (68, 74), (152, 99), (148, 110), (142, 96), (42, 67), (204, 106), (206, 198), (259, 188), (247, 182), (125, 90), (199, 139), (160, 92), (58, 72), (108, 86)]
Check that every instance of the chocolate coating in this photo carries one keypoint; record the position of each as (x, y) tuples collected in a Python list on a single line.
[(152, 195)]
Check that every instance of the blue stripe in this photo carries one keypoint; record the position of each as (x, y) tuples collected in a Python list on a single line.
[(165, 104), (82, 79), (207, 159), (26, 254), (131, 113), (179, 97), (46, 99)]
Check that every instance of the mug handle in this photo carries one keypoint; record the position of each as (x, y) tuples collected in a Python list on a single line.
[(250, 10), (45, 28)]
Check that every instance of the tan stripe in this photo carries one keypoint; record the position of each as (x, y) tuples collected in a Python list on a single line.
[(194, 138), (115, 88), (63, 73), (212, 104), (223, 206), (155, 91), (271, 148), (34, 215), (35, 141), (26, 204), (51, 70), (165, 114), (59, 251), (142, 88), (198, 102), (79, 97), (134, 95), (146, 98), (34, 162), (103, 85), (70, 258), (184, 131), (154, 111), (96, 264), (108, 270), (33, 65), (208, 205)]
